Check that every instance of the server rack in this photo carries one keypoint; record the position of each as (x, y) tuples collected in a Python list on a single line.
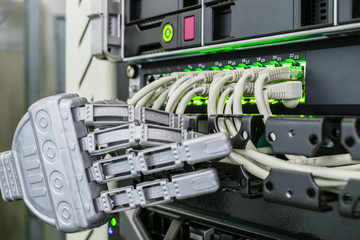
[(155, 38)]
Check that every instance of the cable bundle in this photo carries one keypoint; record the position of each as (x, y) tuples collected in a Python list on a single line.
[(176, 91)]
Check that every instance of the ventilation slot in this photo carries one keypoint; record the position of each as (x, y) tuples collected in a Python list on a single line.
[(323, 10), (314, 12)]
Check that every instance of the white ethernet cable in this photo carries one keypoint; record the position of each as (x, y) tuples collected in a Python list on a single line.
[(235, 158), (181, 81), (222, 78), (289, 91), (202, 90), (216, 78), (161, 99), (241, 87), (266, 76), (202, 77), (173, 99), (278, 91), (317, 171), (214, 93), (149, 98), (229, 124), (238, 156), (216, 86), (156, 94), (262, 173), (145, 99), (154, 85), (338, 160), (221, 103)]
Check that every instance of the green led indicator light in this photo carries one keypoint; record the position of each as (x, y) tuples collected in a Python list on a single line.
[(168, 32), (198, 102), (113, 222), (242, 65), (215, 68), (199, 69), (228, 67), (257, 64)]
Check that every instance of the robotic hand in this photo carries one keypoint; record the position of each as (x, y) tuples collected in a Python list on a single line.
[(60, 165)]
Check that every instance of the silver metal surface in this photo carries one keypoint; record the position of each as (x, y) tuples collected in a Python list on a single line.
[(202, 22), (122, 28), (336, 6)]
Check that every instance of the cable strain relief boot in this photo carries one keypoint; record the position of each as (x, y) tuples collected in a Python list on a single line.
[(254, 72), (285, 90), (178, 75), (208, 75), (236, 74), (277, 73)]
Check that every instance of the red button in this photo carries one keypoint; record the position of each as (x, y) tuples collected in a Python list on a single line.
[(189, 28)]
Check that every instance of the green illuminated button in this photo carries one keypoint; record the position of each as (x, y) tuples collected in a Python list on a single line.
[(168, 32), (113, 222)]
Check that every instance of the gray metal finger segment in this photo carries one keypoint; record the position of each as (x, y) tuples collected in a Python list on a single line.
[(153, 135), (116, 200), (172, 156), (114, 169), (153, 193), (130, 135), (159, 191), (98, 114), (105, 114), (152, 116), (161, 158), (112, 139)]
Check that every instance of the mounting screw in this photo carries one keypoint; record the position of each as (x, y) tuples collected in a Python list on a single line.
[(130, 71), (243, 182)]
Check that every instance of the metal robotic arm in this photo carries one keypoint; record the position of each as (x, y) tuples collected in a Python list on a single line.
[(65, 151)]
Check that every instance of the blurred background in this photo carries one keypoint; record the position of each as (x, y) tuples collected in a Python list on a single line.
[(32, 65), (36, 38)]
